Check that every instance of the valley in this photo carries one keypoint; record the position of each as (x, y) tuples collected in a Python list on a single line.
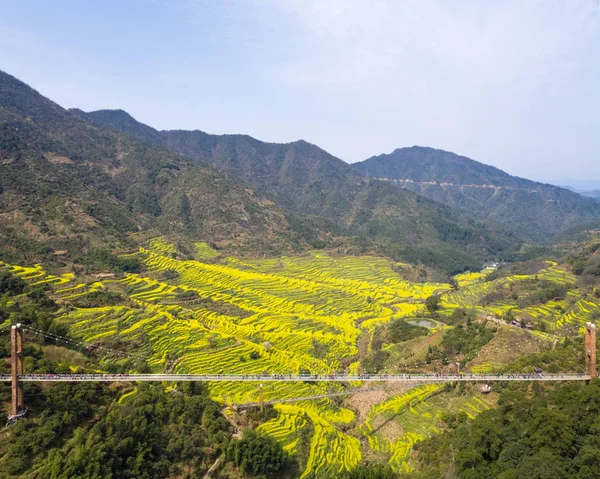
[(126, 250), (320, 314)]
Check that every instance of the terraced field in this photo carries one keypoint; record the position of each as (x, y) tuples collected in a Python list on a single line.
[(225, 315), (295, 314), (331, 450), (394, 426), (574, 311)]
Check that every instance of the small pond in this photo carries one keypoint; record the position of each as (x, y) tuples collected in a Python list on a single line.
[(423, 322)]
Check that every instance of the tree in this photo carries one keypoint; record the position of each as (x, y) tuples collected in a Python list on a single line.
[(508, 316), (400, 331), (370, 471), (11, 284), (257, 454), (185, 209), (552, 430), (432, 303), (543, 465)]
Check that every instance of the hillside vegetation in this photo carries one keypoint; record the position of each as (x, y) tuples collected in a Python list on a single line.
[(127, 250), (531, 210), (306, 179), (549, 432), (67, 186)]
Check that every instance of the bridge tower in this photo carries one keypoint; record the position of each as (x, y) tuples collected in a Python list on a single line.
[(16, 360), (590, 350)]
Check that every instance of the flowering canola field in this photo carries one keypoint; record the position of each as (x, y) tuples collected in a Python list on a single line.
[(286, 315)]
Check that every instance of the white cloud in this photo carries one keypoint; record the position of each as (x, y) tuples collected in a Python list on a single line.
[(475, 43)]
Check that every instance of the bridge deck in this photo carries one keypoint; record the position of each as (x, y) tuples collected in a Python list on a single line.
[(406, 378)]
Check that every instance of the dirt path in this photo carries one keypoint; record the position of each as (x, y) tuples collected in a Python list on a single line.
[(362, 401), (212, 468)]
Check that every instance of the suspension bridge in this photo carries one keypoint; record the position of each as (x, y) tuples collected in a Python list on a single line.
[(17, 378)]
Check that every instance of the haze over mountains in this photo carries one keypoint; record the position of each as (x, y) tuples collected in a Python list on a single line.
[(590, 191), (591, 194), (531, 210)]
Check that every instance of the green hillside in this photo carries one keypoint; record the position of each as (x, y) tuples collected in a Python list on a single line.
[(546, 432), (306, 179), (532, 210), (67, 186), (127, 250)]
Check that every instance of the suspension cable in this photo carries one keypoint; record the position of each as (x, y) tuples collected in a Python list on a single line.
[(74, 342)]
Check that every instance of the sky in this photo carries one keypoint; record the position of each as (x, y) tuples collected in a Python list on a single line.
[(512, 83)]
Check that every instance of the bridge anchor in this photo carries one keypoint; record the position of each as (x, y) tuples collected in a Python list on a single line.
[(18, 409), (590, 350)]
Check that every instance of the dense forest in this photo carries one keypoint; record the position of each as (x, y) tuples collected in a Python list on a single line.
[(538, 431)]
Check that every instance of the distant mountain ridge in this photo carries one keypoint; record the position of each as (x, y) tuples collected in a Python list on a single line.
[(123, 121), (532, 210), (595, 193), (591, 194), (303, 178)]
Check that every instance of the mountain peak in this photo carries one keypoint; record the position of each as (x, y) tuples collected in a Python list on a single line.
[(19, 98), (120, 120), (525, 207), (426, 164)]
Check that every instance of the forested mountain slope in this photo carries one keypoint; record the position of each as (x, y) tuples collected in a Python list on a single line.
[(306, 179), (532, 210), (66, 184)]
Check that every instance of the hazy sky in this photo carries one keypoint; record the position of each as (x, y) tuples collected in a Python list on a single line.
[(509, 83)]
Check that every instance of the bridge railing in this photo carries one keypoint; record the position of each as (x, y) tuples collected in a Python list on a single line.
[(297, 377)]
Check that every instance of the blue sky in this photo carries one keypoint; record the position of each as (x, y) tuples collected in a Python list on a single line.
[(509, 83)]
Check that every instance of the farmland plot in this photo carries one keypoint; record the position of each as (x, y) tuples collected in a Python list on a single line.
[(215, 315)]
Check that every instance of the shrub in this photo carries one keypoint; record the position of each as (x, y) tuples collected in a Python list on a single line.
[(433, 303), (101, 258), (11, 284), (370, 471), (400, 331), (97, 299), (375, 362)]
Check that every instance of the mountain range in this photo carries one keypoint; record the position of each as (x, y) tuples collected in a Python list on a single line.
[(68, 186), (71, 181), (533, 211), (304, 177)]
